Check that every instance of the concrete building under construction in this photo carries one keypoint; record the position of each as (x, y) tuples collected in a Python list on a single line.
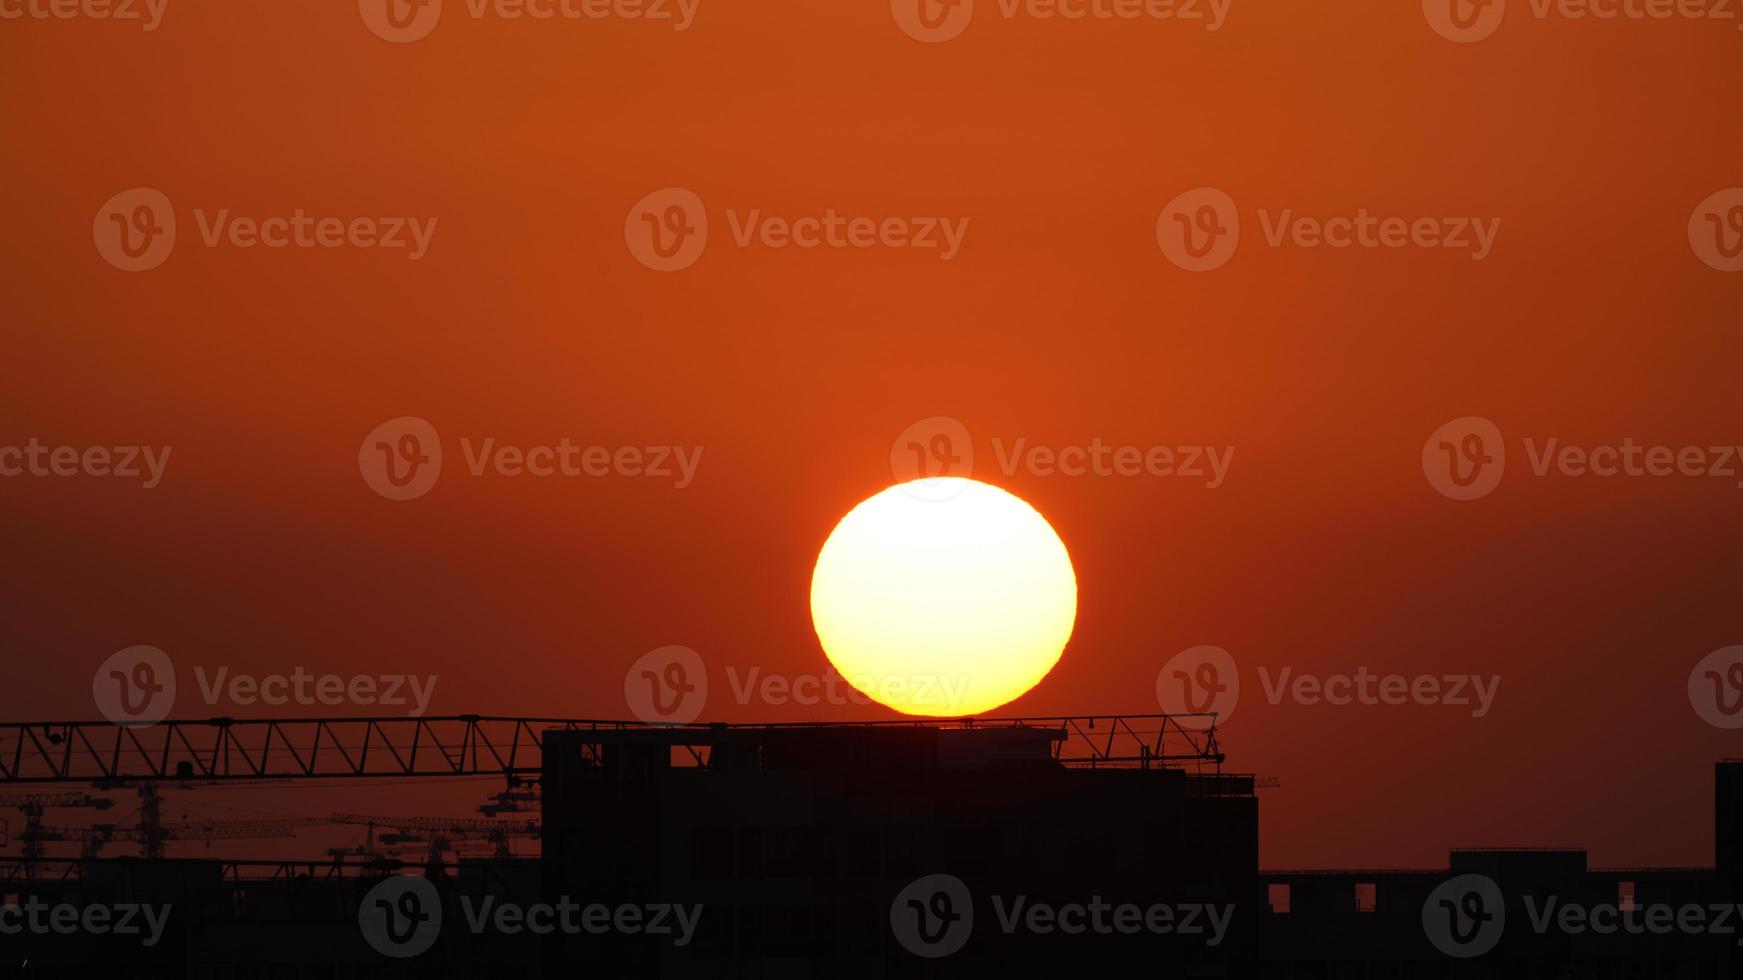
[(795, 839)]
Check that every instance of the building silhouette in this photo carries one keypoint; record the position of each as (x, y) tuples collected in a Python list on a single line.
[(1027, 848), (796, 839)]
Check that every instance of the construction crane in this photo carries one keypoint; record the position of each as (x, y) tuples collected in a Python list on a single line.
[(148, 831), (33, 805), (520, 797), (230, 749), (391, 850), (94, 838), (226, 751), (442, 834)]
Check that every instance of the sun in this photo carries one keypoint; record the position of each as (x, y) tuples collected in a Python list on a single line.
[(943, 597)]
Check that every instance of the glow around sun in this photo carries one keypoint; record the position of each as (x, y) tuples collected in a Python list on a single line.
[(943, 597)]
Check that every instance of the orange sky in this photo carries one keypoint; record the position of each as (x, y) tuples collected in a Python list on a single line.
[(1059, 321)]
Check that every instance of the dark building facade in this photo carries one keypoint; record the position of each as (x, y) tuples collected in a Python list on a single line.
[(896, 851), (1545, 915), (800, 842), (1513, 913)]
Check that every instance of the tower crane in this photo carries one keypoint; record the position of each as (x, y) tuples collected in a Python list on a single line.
[(442, 833), (521, 796), (94, 838), (32, 806)]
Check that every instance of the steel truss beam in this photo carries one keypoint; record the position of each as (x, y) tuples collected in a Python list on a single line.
[(229, 749)]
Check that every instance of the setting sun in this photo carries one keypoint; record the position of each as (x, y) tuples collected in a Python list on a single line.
[(943, 597)]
